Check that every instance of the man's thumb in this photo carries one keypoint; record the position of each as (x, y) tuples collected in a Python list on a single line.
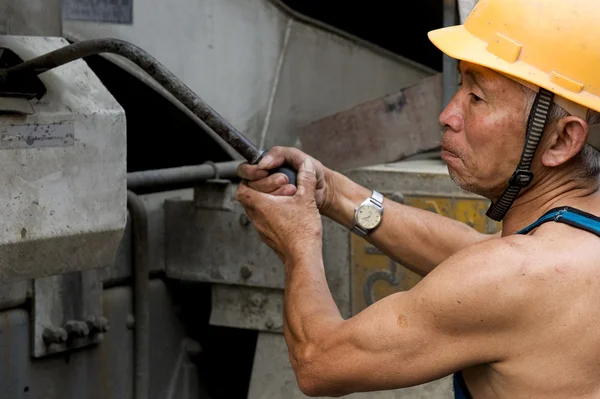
[(307, 178)]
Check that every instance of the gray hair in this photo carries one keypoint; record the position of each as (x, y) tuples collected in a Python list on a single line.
[(587, 162)]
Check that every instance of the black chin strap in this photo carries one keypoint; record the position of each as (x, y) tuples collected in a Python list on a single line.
[(523, 176)]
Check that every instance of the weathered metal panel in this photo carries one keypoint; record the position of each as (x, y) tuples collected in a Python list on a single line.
[(106, 370), (247, 307), (210, 239), (66, 205), (380, 131), (273, 377), (218, 246), (324, 74), (30, 17), (102, 372)]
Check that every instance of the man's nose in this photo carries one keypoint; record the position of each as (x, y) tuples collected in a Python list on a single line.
[(452, 116)]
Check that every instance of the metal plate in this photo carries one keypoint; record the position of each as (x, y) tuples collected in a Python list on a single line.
[(217, 246), (375, 275), (379, 131), (247, 307), (113, 11), (62, 301)]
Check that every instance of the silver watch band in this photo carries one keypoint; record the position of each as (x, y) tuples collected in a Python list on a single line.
[(376, 199)]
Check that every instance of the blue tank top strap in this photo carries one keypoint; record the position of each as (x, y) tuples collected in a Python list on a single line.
[(460, 387), (566, 214)]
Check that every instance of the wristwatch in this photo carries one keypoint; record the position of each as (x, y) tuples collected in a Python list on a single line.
[(367, 216)]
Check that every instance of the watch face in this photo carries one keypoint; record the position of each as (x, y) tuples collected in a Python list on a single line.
[(368, 216)]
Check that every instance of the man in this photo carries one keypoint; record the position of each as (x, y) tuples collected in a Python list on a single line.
[(514, 315)]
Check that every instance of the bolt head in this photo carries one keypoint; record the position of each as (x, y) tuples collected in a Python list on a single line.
[(76, 329), (54, 335), (244, 219), (98, 324), (245, 272)]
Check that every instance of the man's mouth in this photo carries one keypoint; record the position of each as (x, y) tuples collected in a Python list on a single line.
[(448, 153)]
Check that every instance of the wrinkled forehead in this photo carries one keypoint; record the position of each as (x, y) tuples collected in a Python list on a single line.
[(484, 77)]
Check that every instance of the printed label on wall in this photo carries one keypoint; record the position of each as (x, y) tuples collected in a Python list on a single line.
[(37, 135), (112, 11)]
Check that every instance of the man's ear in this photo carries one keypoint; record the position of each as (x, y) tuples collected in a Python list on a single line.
[(566, 141)]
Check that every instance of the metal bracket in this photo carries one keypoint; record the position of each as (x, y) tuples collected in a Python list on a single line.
[(216, 194), (67, 312)]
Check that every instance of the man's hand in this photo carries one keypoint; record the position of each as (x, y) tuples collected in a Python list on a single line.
[(258, 178), (289, 224)]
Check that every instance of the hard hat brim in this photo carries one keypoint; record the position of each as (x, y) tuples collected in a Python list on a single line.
[(457, 42)]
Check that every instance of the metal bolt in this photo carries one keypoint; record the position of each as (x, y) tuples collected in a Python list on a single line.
[(98, 324), (130, 322), (257, 300), (76, 329), (193, 348), (244, 219), (54, 335), (245, 272), (269, 324)]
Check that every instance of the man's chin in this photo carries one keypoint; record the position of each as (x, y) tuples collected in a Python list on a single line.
[(463, 184), (471, 186)]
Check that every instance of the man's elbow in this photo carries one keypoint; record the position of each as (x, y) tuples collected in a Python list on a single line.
[(315, 376), (318, 386)]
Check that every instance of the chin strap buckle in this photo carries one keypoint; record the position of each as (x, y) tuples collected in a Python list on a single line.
[(521, 178)]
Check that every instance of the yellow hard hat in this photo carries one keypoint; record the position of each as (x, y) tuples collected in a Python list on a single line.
[(554, 44)]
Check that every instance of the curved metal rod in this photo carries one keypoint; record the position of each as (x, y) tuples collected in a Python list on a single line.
[(141, 270), (153, 68), (190, 175)]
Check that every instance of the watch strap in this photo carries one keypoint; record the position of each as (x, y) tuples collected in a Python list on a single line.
[(358, 230)]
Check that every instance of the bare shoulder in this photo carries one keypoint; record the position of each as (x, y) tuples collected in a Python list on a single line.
[(485, 286), (512, 280), (488, 262)]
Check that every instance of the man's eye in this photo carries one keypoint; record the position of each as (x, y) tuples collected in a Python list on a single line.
[(475, 97)]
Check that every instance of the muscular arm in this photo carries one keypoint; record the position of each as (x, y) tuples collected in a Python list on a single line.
[(449, 321), (416, 238)]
